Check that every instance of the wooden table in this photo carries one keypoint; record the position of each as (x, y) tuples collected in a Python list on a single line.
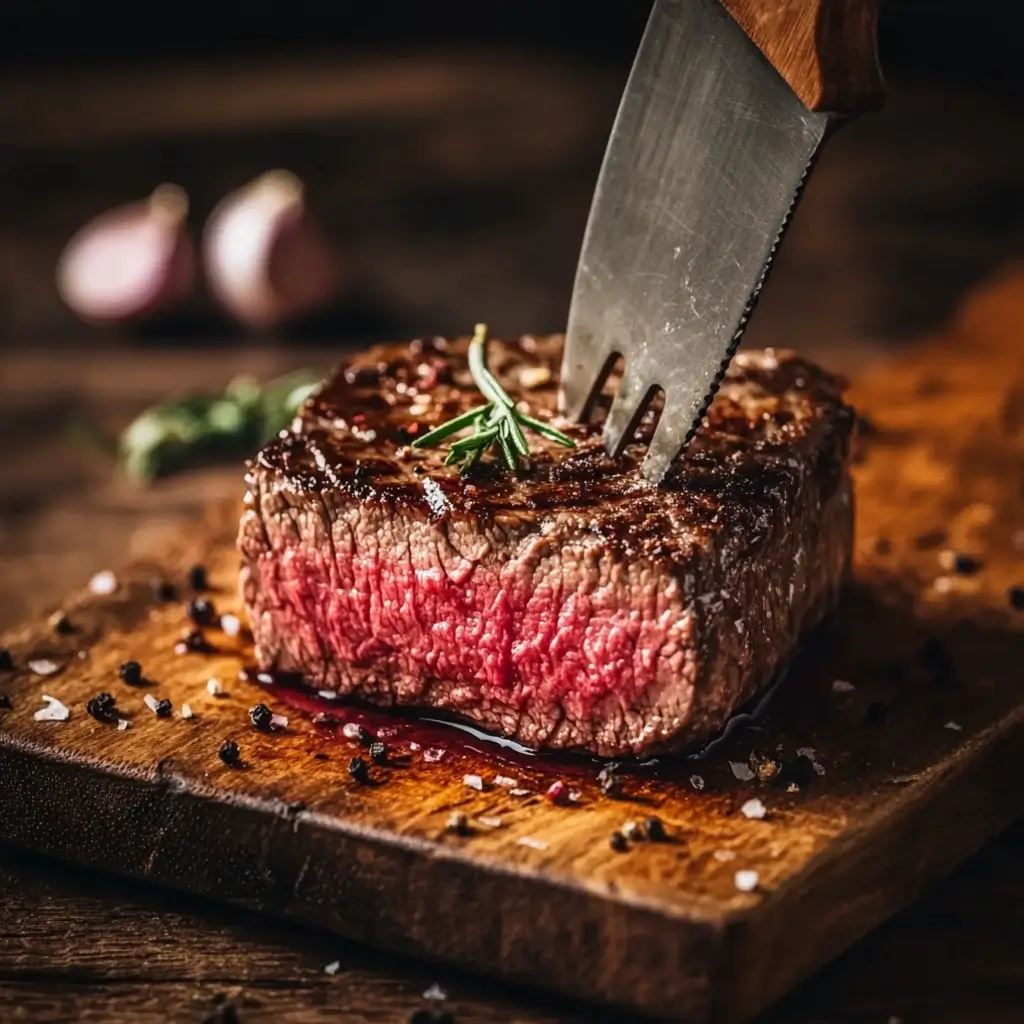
[(899, 219)]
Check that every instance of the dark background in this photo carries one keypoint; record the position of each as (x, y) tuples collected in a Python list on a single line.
[(907, 210), (973, 41)]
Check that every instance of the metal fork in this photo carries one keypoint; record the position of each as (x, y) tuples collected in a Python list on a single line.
[(707, 157)]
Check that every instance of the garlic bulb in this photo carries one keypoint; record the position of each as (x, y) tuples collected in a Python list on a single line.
[(266, 260), (130, 261)]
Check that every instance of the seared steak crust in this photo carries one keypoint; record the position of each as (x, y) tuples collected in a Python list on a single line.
[(573, 605)]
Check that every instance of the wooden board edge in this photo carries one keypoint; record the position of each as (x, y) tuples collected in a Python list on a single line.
[(858, 882), (411, 898)]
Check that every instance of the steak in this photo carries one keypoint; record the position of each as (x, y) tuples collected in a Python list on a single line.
[(571, 605)]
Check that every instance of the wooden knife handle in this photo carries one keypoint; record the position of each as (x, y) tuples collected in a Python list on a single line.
[(827, 50)]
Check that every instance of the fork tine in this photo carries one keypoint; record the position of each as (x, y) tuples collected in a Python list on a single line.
[(585, 368), (670, 435), (631, 402)]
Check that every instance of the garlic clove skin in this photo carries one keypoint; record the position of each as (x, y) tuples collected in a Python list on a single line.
[(129, 262), (267, 261)]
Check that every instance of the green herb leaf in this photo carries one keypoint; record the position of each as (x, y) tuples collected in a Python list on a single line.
[(467, 419), (499, 421), (201, 429)]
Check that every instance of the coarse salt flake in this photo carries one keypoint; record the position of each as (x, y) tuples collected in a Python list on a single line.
[(754, 809), (186, 711), (213, 687), (327, 694), (724, 856), (490, 822), (231, 625), (278, 721), (122, 724), (103, 583), (55, 710), (435, 992), (746, 881), (519, 792), (533, 844), (742, 771), (44, 667), (505, 781), (473, 782), (151, 702), (842, 686), (954, 726), (333, 967)]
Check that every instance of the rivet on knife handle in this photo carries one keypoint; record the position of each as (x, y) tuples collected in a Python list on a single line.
[(827, 50)]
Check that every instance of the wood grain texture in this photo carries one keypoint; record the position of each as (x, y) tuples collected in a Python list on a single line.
[(80, 946), (827, 50), (899, 803)]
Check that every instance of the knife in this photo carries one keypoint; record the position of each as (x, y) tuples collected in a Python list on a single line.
[(726, 107)]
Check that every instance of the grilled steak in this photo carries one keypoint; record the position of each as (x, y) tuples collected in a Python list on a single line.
[(573, 605)]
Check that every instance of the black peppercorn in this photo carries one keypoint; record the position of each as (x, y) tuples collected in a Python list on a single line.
[(260, 716), (61, 624), (131, 673), (163, 708), (876, 712), (101, 707), (1016, 597), (321, 756), (800, 770), (378, 752), (229, 753), (458, 823), (194, 640), (201, 611), (5, 702), (966, 565), (164, 591), (197, 577), (365, 737), (6, 661), (359, 770), (655, 829), (618, 842)]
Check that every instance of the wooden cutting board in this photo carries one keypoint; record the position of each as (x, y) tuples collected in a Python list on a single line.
[(912, 709)]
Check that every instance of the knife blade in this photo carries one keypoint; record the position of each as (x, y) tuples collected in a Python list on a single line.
[(708, 155)]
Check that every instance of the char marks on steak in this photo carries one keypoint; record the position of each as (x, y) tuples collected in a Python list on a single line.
[(573, 605)]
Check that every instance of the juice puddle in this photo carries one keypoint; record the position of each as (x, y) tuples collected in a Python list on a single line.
[(442, 739)]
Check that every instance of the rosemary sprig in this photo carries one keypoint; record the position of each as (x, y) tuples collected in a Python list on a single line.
[(498, 422)]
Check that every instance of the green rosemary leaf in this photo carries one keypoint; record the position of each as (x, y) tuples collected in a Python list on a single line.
[(500, 421), (466, 419), (508, 452), (540, 427), (483, 378), (474, 441), (516, 435)]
